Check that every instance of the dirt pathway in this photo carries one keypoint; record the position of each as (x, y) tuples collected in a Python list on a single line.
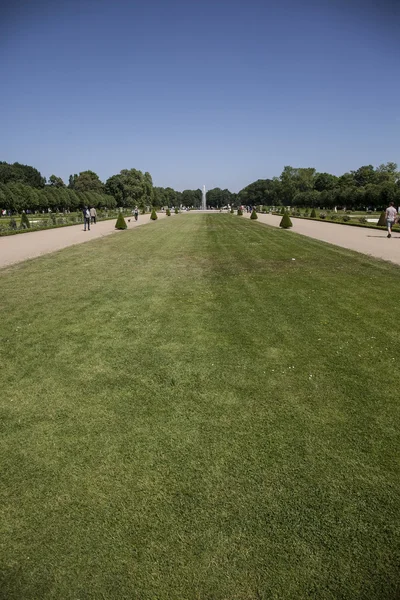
[(16, 248), (368, 241)]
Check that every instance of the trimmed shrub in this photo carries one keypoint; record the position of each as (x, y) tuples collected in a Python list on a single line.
[(240, 212), (24, 222), (13, 223), (153, 215), (313, 214), (176, 210), (334, 217), (282, 211), (346, 218), (322, 215), (168, 212), (382, 219), (362, 220), (121, 223), (232, 211), (253, 214), (285, 221)]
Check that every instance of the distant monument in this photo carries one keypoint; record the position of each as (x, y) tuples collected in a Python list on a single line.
[(203, 199)]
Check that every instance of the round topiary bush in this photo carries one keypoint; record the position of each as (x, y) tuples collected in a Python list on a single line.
[(240, 212), (253, 214), (153, 215), (176, 210), (285, 221), (232, 211), (346, 218), (382, 219), (168, 212), (121, 223), (24, 221), (282, 211), (313, 214)]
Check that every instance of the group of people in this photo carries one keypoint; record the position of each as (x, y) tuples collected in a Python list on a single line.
[(89, 217)]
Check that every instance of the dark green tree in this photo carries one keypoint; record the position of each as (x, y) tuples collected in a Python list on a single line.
[(121, 223), (153, 215), (56, 181), (88, 180), (313, 214), (25, 224), (382, 219), (17, 173), (253, 214), (285, 221)]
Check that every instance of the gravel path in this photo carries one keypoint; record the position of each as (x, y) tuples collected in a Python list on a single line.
[(16, 248), (368, 241)]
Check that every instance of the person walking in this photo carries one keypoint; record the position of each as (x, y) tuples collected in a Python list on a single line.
[(93, 215), (136, 213), (86, 218), (391, 214)]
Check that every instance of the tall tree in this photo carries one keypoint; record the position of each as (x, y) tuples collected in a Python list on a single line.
[(17, 173), (56, 181), (88, 180)]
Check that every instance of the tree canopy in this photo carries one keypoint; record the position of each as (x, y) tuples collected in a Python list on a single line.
[(23, 187)]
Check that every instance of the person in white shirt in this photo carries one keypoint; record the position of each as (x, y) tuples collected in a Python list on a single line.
[(391, 214)]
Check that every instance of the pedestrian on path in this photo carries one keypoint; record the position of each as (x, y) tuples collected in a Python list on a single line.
[(86, 218), (391, 214), (93, 215)]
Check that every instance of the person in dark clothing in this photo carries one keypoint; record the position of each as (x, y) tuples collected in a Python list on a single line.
[(86, 218)]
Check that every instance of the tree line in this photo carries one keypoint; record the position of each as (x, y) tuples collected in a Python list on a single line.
[(22, 187), (367, 187)]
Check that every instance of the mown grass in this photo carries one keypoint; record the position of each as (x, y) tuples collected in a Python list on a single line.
[(189, 413)]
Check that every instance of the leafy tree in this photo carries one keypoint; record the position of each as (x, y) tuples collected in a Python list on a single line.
[(325, 181), (72, 181), (190, 198), (286, 221), (121, 223), (88, 180), (56, 181), (364, 175), (17, 173)]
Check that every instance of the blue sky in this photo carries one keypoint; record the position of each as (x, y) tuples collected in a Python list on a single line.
[(216, 92)]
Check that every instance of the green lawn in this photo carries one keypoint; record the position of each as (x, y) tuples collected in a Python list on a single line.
[(189, 413)]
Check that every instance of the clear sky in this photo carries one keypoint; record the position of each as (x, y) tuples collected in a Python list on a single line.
[(220, 92)]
